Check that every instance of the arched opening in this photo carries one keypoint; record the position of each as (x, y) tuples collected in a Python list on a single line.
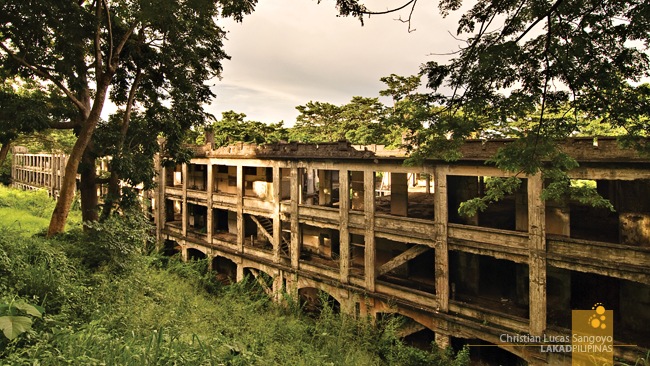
[(261, 282), (225, 269), (408, 330), (313, 301), (195, 254), (170, 248), (485, 353)]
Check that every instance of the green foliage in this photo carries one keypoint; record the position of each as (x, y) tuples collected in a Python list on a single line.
[(14, 203), (113, 243), (361, 121), (496, 189), (37, 203), (12, 324), (234, 128), (165, 312)]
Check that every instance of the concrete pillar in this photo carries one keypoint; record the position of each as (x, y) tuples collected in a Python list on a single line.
[(442, 250), (295, 223), (442, 340), (356, 188), (210, 189), (344, 231), (369, 211), (521, 209), (537, 256), (310, 186), (399, 194), (240, 210), (159, 199), (324, 187), (277, 224), (184, 207), (240, 272)]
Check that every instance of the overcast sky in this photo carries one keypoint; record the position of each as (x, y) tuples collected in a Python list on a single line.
[(289, 52)]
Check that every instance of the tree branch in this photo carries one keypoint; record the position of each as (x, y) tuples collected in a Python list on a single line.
[(116, 54), (98, 48), (408, 20), (110, 30), (539, 19), (368, 12), (46, 75)]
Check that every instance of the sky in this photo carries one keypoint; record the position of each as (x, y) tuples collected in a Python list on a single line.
[(289, 52)]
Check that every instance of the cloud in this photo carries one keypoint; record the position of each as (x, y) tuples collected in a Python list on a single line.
[(289, 52)]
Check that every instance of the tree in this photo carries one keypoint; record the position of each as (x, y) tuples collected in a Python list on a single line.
[(26, 109), (84, 47), (525, 58), (234, 128), (361, 121), (318, 122)]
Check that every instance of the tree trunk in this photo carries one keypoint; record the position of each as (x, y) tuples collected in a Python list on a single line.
[(113, 195), (88, 185), (68, 184), (4, 150)]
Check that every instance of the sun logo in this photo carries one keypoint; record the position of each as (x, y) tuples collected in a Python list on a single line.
[(597, 320)]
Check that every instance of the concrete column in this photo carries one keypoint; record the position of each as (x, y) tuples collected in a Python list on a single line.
[(442, 250), (344, 231), (537, 257), (521, 209), (295, 224), (210, 189), (277, 223), (356, 186), (240, 272), (324, 187), (159, 194), (309, 176), (399, 194), (442, 340), (184, 204), (369, 211), (240, 211)]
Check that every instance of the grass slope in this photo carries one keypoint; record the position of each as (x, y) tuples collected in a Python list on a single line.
[(148, 310)]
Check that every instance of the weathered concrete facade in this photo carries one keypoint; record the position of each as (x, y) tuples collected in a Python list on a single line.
[(380, 237), (38, 171)]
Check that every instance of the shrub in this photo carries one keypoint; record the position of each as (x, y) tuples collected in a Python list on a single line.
[(116, 242)]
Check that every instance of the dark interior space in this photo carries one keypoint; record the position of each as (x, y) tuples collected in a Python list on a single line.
[(572, 290), (495, 284), (313, 301), (225, 270)]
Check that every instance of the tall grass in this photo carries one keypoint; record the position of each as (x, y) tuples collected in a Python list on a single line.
[(27, 210), (164, 312)]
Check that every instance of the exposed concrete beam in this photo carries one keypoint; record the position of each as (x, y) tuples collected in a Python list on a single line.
[(401, 259)]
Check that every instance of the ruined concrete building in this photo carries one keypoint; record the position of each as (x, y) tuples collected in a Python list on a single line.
[(381, 238)]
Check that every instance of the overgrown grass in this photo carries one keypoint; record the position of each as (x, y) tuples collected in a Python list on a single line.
[(15, 219), (30, 211), (140, 309)]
